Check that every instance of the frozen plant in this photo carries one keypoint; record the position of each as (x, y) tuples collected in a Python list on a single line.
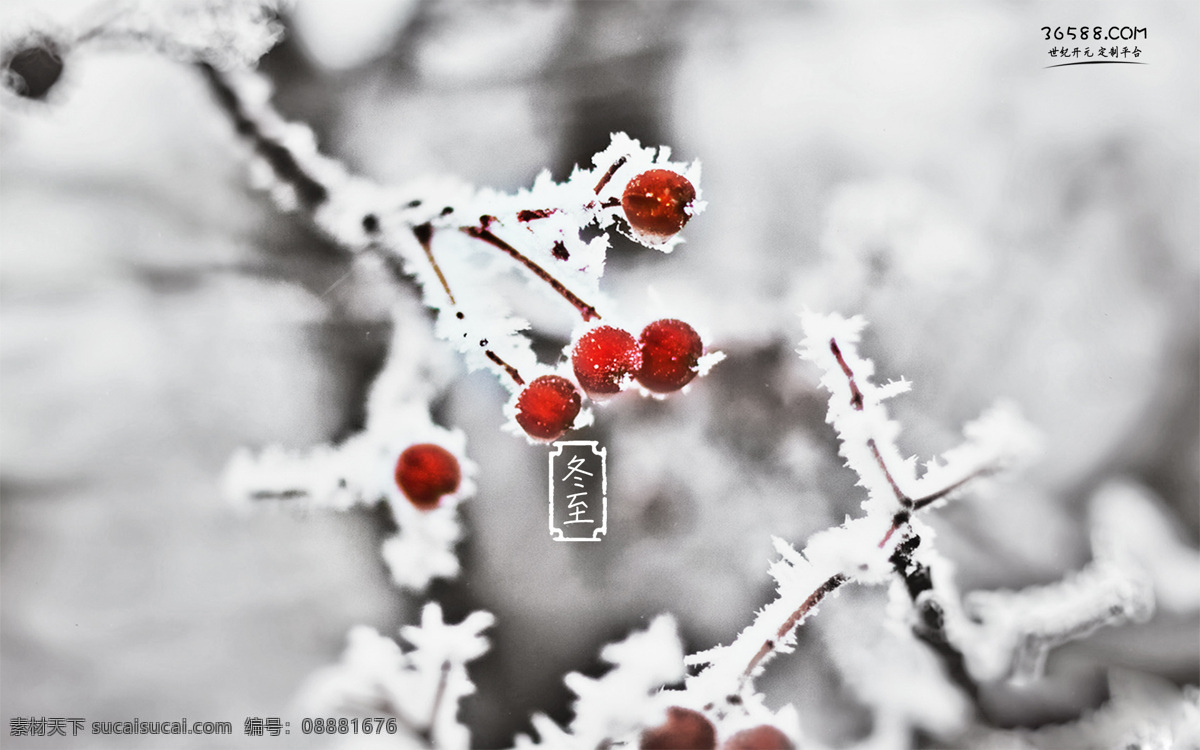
[(460, 244), (924, 633), (402, 458), (625, 699), (484, 264), (921, 668), (418, 690)]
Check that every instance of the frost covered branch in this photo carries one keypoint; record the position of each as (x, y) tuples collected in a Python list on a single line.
[(363, 470), (624, 700), (226, 34), (877, 548), (453, 239), (868, 443), (420, 687), (994, 635)]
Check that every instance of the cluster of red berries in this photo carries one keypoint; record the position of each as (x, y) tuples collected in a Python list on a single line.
[(426, 473), (686, 729), (663, 359)]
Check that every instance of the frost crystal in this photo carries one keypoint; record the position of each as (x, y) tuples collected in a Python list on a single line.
[(1142, 712), (1130, 524), (1131, 561), (223, 33), (360, 471), (859, 550), (420, 688), (623, 701)]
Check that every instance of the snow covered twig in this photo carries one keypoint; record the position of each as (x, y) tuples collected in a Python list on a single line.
[(420, 688)]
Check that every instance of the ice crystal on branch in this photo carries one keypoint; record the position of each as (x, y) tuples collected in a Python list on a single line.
[(456, 240), (223, 33), (420, 687), (363, 469), (623, 700), (1133, 560), (882, 546), (226, 34)]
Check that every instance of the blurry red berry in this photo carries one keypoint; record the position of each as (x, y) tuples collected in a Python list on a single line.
[(547, 407), (685, 729), (762, 737), (671, 352), (604, 359), (425, 473), (658, 202)]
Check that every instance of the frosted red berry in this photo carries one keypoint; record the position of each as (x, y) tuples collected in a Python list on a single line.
[(762, 737), (671, 351), (547, 407), (658, 202), (426, 473), (605, 358), (684, 729)]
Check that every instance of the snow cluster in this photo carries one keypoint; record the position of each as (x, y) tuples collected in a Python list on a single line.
[(624, 700), (1137, 565), (227, 34), (361, 470), (420, 687)]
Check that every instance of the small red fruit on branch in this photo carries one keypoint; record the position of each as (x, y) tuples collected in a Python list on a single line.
[(671, 351), (684, 729), (547, 407), (425, 473), (658, 202), (605, 359)]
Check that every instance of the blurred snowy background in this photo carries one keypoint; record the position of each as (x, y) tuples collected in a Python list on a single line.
[(1008, 230)]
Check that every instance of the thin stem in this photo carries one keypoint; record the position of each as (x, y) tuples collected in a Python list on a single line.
[(483, 233), (609, 174), (813, 600), (898, 520), (426, 734), (931, 622), (905, 501), (424, 235), (512, 371), (856, 397), (288, 494), (935, 496)]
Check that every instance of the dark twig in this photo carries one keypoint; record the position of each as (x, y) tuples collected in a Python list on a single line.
[(931, 625), (426, 733), (905, 500), (309, 189), (483, 233)]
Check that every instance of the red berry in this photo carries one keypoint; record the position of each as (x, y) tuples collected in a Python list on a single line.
[(762, 737), (685, 729), (658, 202), (547, 407), (671, 352), (604, 359), (425, 473)]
